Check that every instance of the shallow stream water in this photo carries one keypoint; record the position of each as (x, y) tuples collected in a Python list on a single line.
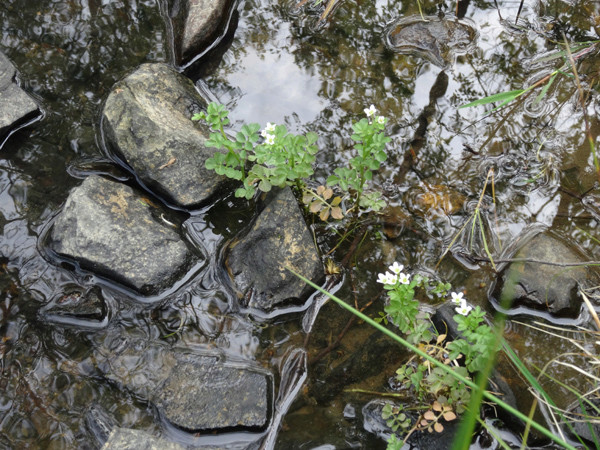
[(279, 64)]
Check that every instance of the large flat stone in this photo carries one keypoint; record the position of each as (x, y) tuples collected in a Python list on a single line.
[(109, 229), (147, 123), (195, 392), (203, 394)]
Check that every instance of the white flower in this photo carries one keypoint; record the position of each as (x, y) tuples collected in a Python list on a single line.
[(269, 129), (269, 139), (382, 278), (457, 299), (404, 278), (381, 120), (387, 278), (396, 268), (464, 309), (370, 111)]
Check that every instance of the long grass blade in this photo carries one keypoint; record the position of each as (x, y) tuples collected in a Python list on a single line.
[(544, 90), (504, 97), (485, 245)]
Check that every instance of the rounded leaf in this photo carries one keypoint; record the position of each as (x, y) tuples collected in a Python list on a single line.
[(315, 206), (448, 416), (336, 213), (429, 415), (438, 427), (324, 215), (327, 193)]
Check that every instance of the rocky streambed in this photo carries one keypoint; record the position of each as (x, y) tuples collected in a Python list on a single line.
[(179, 325)]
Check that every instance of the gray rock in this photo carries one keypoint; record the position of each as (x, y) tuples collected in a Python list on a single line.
[(278, 238), (434, 39), (202, 394), (198, 25), (195, 392), (109, 229), (128, 439), (546, 287), (17, 107), (147, 123)]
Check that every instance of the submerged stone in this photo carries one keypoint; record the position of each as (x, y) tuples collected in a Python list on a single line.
[(202, 394), (17, 107), (278, 238), (109, 229), (128, 439), (195, 392), (147, 123), (77, 304), (197, 26), (546, 287), (434, 39)]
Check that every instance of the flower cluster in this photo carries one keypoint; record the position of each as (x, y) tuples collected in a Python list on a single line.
[(267, 133), (394, 276), (463, 308), (370, 112)]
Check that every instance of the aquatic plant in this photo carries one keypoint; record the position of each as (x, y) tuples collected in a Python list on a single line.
[(370, 140), (441, 396), (284, 159), (430, 419)]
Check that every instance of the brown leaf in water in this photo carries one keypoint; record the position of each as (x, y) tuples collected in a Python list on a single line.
[(336, 213)]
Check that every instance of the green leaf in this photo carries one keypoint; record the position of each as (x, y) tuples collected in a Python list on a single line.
[(504, 97), (544, 90)]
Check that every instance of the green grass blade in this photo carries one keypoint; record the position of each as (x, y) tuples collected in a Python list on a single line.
[(504, 97), (544, 90), (435, 362), (485, 245)]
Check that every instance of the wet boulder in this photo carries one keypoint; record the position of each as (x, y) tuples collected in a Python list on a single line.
[(198, 25), (539, 282), (436, 39), (195, 392), (278, 238), (17, 107), (129, 439), (147, 124), (110, 229)]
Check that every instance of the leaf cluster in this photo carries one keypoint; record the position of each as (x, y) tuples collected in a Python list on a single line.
[(395, 418), (370, 141), (285, 162), (322, 202), (477, 340)]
